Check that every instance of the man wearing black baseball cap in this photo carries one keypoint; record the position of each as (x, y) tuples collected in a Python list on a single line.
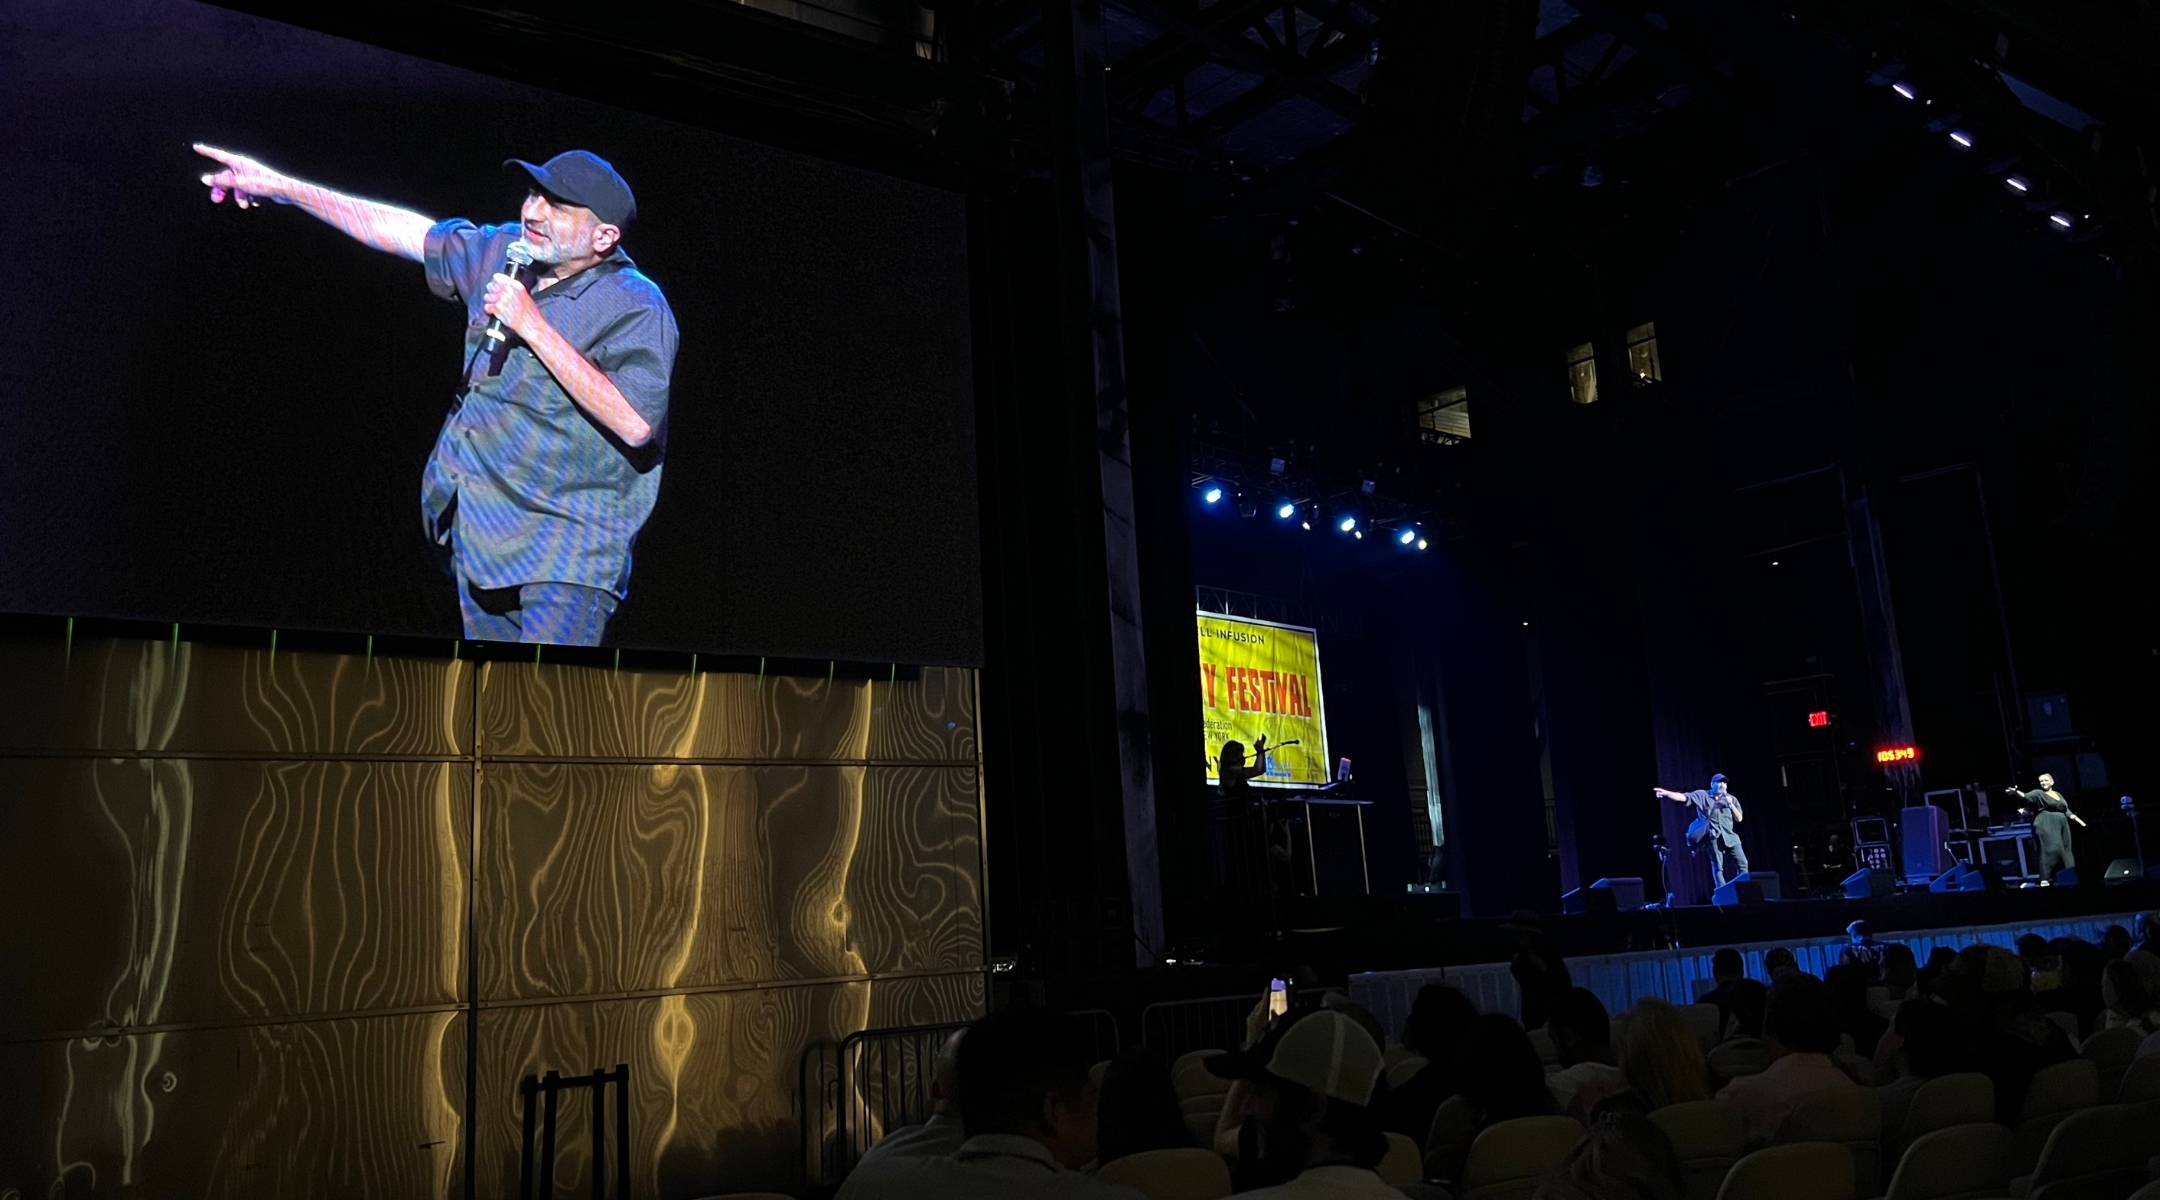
[(549, 463), (1315, 1082)]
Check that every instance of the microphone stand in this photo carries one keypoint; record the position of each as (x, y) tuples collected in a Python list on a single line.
[(2129, 807)]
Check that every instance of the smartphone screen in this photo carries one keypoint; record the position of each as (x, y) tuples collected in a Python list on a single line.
[(1278, 997)]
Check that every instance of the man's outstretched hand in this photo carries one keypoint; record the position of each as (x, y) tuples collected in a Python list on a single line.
[(247, 181)]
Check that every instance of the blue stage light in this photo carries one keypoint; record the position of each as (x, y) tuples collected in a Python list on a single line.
[(2061, 220), (1285, 510), (1421, 543), (1407, 536), (1906, 90), (1963, 139), (2018, 184), (1347, 524), (1212, 493)]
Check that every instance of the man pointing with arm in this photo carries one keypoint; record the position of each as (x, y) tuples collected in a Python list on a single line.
[(550, 461), (1720, 812)]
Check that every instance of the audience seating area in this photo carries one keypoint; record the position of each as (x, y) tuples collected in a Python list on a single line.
[(2087, 1126)]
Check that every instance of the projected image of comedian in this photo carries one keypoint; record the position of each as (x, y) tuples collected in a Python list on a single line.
[(549, 461)]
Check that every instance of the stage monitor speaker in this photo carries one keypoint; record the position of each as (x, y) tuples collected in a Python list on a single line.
[(1923, 834), (1965, 877), (1867, 884), (1773, 887), (1948, 880), (2122, 870), (1588, 900), (1740, 891), (1627, 891)]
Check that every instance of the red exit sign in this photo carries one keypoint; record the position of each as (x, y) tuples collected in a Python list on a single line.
[(1818, 719), (1897, 754)]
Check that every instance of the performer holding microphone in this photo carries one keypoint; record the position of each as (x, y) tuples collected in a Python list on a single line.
[(1717, 815), (549, 461), (2051, 819)]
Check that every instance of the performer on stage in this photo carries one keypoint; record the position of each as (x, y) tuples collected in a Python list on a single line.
[(1717, 814), (549, 462), (2051, 818), (1234, 777)]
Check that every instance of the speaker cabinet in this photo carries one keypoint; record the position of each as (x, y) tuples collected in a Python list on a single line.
[(1923, 834), (1869, 883), (1588, 900), (1772, 885), (2122, 870), (1740, 891), (1626, 891)]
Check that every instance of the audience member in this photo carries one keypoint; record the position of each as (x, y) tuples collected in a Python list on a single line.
[(1139, 1108), (1028, 1108), (2039, 959), (1582, 1034), (941, 1134), (1658, 1053), (1624, 1156), (2114, 943), (2128, 1002), (1342, 1003), (2148, 933), (1726, 970), (1437, 1019), (2078, 993), (1748, 998), (1850, 983), (1315, 1079), (1938, 961), (1900, 974), (1502, 1078), (1539, 971), (1989, 990), (1925, 1045), (1801, 1024), (1778, 963)]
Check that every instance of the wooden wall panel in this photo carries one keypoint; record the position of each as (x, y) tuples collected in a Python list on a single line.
[(546, 710), (126, 696), (361, 1108), (145, 892), (713, 1076), (237, 890), (597, 879)]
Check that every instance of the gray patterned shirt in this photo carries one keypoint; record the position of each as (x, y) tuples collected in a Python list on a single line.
[(524, 485)]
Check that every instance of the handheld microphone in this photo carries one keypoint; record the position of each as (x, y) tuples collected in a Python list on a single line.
[(520, 257)]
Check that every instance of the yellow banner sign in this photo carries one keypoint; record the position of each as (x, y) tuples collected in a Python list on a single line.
[(1261, 678)]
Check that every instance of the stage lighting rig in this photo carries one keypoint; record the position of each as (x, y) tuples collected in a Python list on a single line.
[(1211, 493)]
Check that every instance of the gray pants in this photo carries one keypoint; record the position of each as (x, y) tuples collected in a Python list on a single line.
[(559, 614), (1727, 862)]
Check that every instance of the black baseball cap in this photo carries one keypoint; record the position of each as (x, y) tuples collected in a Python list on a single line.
[(584, 179)]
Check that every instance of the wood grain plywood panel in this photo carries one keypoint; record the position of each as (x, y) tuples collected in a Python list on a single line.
[(601, 879), (361, 1108), (124, 696), (712, 1076), (155, 892), (556, 711)]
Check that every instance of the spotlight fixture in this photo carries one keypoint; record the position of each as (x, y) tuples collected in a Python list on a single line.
[(1359, 534), (1962, 139), (1421, 543), (1305, 524), (1212, 493), (1347, 525), (2018, 184), (1905, 89), (1366, 486), (1407, 536), (1285, 510), (2060, 220)]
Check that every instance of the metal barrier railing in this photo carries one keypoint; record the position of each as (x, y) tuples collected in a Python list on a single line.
[(1175, 1027), (873, 1081)]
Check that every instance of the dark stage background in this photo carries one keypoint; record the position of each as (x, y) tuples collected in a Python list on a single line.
[(210, 415)]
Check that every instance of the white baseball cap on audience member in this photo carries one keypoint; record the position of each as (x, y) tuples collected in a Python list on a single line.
[(1323, 1050)]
